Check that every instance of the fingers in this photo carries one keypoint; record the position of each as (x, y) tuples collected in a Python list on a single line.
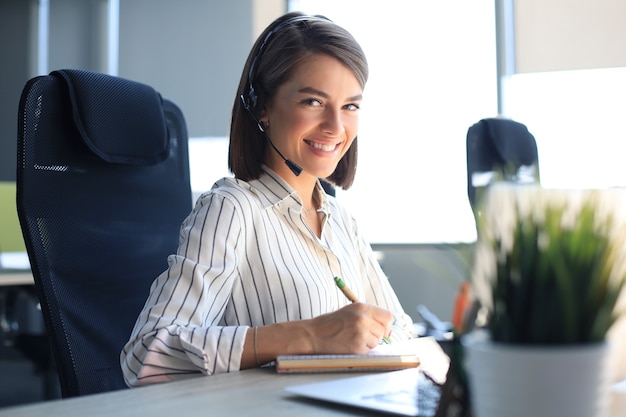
[(374, 320), (384, 318), (355, 328)]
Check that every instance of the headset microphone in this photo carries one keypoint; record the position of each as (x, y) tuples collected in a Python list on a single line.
[(249, 98), (295, 168)]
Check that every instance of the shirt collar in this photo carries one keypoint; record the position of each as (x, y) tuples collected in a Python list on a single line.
[(273, 190)]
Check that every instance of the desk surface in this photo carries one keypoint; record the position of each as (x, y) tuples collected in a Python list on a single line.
[(254, 392)]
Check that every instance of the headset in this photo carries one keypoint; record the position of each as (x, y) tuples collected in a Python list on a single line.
[(249, 98)]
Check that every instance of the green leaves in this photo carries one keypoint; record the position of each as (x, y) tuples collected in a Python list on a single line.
[(554, 281)]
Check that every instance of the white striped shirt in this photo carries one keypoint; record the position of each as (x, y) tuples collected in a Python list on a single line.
[(247, 258)]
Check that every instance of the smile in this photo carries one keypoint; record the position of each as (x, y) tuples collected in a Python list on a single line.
[(325, 148)]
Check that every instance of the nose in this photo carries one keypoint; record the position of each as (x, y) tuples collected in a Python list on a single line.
[(332, 122)]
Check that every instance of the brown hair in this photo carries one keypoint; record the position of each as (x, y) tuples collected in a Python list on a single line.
[(273, 58)]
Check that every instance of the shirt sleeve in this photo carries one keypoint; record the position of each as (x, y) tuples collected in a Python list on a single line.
[(178, 332)]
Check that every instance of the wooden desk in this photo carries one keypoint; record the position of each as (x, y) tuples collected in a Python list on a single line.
[(255, 392)]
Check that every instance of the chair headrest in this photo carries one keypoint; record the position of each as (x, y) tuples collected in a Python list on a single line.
[(512, 140), (121, 121)]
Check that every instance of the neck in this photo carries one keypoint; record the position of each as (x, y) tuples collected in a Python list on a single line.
[(303, 184)]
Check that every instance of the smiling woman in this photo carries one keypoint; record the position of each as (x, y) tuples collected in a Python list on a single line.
[(253, 275)]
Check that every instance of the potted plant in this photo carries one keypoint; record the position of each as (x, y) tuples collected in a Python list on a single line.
[(549, 268)]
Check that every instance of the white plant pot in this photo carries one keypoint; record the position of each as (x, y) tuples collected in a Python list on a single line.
[(534, 381)]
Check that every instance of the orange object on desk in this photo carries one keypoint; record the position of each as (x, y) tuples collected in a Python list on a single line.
[(461, 306)]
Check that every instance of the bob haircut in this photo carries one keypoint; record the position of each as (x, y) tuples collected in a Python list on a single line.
[(284, 44)]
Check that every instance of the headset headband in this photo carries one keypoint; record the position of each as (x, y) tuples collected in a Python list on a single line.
[(249, 100)]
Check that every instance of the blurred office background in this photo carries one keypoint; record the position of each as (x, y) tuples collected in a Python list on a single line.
[(436, 67)]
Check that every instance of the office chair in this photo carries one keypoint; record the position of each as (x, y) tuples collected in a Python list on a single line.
[(499, 149), (102, 189)]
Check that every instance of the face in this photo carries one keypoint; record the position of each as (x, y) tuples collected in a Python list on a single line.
[(313, 117)]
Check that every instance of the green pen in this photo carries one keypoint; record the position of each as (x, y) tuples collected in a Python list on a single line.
[(350, 296)]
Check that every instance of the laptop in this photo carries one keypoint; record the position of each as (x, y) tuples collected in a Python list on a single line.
[(409, 392)]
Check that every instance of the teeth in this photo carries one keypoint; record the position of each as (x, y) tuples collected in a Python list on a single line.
[(326, 148)]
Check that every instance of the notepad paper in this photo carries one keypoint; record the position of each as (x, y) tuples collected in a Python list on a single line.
[(423, 351)]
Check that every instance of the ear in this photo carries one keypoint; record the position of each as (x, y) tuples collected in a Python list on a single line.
[(264, 120), (264, 117)]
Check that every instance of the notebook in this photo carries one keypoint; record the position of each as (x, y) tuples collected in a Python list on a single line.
[(408, 392), (385, 357), (344, 363)]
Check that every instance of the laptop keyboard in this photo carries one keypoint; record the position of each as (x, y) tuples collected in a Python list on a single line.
[(426, 396)]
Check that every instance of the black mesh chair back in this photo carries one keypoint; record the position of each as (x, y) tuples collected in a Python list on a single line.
[(102, 189), (502, 146)]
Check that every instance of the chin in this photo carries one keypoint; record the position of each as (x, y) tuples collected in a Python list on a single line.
[(325, 173)]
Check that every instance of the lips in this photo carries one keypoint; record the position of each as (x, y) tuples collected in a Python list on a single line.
[(322, 147)]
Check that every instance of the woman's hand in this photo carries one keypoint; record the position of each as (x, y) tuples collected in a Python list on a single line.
[(353, 329)]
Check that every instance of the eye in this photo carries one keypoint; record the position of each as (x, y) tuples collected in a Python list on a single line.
[(313, 102), (352, 107)]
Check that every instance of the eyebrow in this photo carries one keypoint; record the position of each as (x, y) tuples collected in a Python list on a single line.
[(315, 91)]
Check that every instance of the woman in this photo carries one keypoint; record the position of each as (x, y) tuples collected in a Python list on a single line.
[(253, 277)]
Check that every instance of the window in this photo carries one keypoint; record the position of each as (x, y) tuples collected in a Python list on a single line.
[(577, 118)]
